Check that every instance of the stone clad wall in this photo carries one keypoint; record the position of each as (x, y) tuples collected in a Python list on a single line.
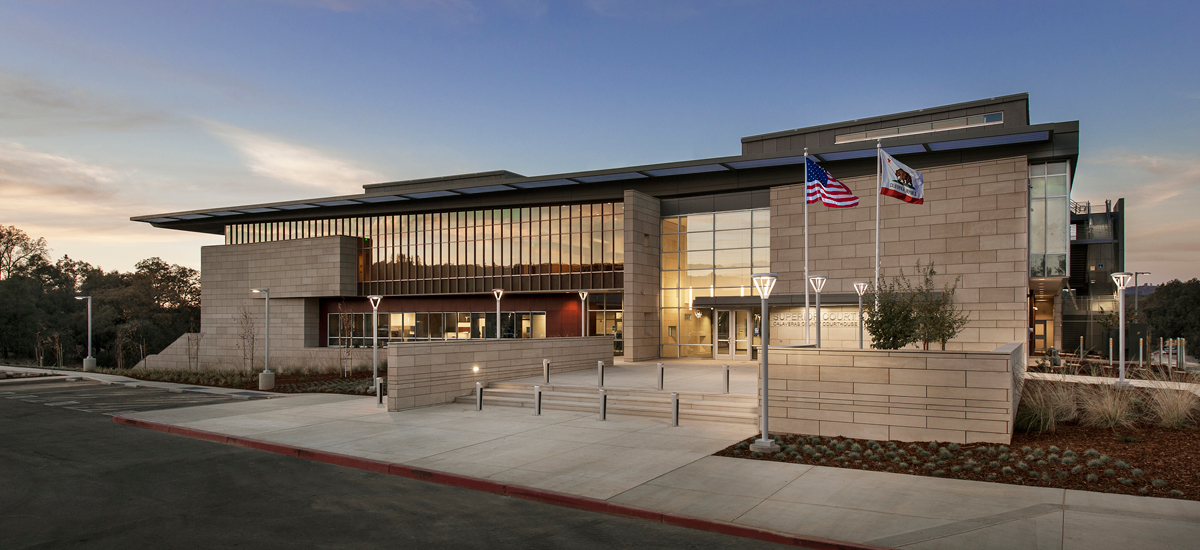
[(643, 276), (961, 397), (433, 373), (973, 224)]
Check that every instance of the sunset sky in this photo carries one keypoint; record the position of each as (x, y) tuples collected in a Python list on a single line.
[(112, 109)]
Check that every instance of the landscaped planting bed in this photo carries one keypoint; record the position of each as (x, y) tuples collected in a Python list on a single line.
[(289, 381), (1135, 442)]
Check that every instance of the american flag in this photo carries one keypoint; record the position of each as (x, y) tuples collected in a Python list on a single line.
[(823, 187)]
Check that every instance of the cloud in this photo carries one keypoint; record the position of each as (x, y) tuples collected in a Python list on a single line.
[(33, 106), (279, 160), (28, 174)]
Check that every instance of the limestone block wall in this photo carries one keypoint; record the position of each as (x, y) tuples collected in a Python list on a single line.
[(973, 224), (433, 373), (643, 276), (903, 395)]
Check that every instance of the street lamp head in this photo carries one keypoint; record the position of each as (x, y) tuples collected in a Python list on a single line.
[(1122, 278), (583, 294), (260, 290), (818, 282), (83, 297), (764, 283), (861, 287), (375, 298), (498, 292)]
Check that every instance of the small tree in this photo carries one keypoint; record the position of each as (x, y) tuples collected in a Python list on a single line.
[(247, 336), (890, 318), (937, 317)]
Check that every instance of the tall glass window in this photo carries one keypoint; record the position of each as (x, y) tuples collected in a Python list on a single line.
[(573, 247), (712, 254), (1049, 219), (354, 329)]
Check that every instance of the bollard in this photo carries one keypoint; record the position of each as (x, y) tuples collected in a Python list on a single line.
[(1170, 355), (599, 374), (479, 396), (545, 371), (1141, 350), (1183, 353), (674, 409), (1110, 352), (660, 377), (603, 405), (725, 377), (379, 391), (1160, 351), (537, 401)]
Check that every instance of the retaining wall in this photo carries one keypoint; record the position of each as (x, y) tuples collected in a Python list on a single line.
[(433, 373), (902, 395)]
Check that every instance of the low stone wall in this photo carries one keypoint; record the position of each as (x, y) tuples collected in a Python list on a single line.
[(902, 395), (424, 374)]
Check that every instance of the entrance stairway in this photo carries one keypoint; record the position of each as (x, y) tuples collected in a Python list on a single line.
[(708, 407)]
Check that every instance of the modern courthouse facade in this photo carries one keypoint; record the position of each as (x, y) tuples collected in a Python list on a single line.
[(664, 252)]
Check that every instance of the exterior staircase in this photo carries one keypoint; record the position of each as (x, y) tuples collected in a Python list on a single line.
[(708, 407)]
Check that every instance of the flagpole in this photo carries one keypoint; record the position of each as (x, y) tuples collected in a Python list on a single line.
[(878, 195), (807, 320)]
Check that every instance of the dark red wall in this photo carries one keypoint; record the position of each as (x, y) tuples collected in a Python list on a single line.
[(562, 309)]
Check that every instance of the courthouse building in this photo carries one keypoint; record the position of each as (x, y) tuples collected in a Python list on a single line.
[(664, 252)]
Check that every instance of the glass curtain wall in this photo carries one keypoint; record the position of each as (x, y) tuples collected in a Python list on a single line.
[(1049, 219), (354, 329), (567, 247), (605, 318), (711, 254)]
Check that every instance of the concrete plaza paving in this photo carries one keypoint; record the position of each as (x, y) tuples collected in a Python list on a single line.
[(643, 462)]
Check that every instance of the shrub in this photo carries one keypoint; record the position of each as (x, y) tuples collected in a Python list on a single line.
[(1034, 475), (1054, 449), (1069, 454), (1092, 478), (902, 465), (955, 469), (756, 454), (1007, 470), (1159, 483), (1125, 481), (994, 464), (939, 473), (977, 470), (1077, 469), (1094, 463), (1068, 460), (945, 454), (1172, 408), (1137, 472), (1174, 492), (1091, 452), (1123, 465), (1107, 406), (1110, 472), (780, 456)]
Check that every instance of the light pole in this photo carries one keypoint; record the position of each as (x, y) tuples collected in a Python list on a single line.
[(375, 298), (583, 313), (266, 378), (861, 288), (765, 282), (498, 292), (89, 363), (818, 282), (1122, 279), (1137, 289)]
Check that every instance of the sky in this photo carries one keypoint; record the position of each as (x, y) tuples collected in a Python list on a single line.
[(112, 109)]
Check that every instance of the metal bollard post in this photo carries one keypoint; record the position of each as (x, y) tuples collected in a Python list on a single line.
[(660, 377), (1110, 352), (1183, 353), (725, 378), (546, 371), (537, 401), (1141, 351), (603, 405), (479, 396), (599, 374), (379, 391), (674, 409)]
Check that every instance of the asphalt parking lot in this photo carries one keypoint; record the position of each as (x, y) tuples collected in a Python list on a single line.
[(74, 479)]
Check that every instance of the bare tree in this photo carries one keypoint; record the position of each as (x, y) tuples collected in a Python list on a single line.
[(58, 350), (193, 350), (17, 249), (247, 337), (39, 347)]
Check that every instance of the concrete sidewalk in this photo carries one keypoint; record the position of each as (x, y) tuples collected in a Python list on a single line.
[(63, 374), (644, 463)]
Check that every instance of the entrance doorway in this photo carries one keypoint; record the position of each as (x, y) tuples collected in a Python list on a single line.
[(732, 329)]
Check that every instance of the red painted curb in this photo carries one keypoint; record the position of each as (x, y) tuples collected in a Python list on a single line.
[(527, 493)]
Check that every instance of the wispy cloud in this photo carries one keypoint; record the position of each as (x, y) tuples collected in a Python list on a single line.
[(32, 106), (280, 160)]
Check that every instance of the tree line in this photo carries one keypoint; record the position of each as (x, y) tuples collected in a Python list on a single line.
[(1172, 311), (134, 314)]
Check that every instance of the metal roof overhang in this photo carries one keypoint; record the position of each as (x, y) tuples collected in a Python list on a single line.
[(213, 220)]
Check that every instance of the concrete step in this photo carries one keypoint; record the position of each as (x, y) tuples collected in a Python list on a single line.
[(734, 409)]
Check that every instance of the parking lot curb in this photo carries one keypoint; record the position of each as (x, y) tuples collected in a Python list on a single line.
[(489, 486)]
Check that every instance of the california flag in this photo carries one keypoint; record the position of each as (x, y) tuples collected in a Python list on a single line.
[(900, 181)]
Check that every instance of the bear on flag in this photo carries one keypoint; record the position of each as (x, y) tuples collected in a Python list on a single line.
[(900, 181)]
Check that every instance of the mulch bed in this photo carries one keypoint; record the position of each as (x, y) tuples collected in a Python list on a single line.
[(329, 382), (1167, 458)]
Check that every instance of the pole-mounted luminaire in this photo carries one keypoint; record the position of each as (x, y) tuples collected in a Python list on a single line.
[(861, 288), (375, 299), (266, 378), (497, 292), (818, 282), (89, 363), (765, 283), (1122, 280), (583, 313)]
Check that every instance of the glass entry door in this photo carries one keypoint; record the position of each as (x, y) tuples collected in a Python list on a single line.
[(732, 330)]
